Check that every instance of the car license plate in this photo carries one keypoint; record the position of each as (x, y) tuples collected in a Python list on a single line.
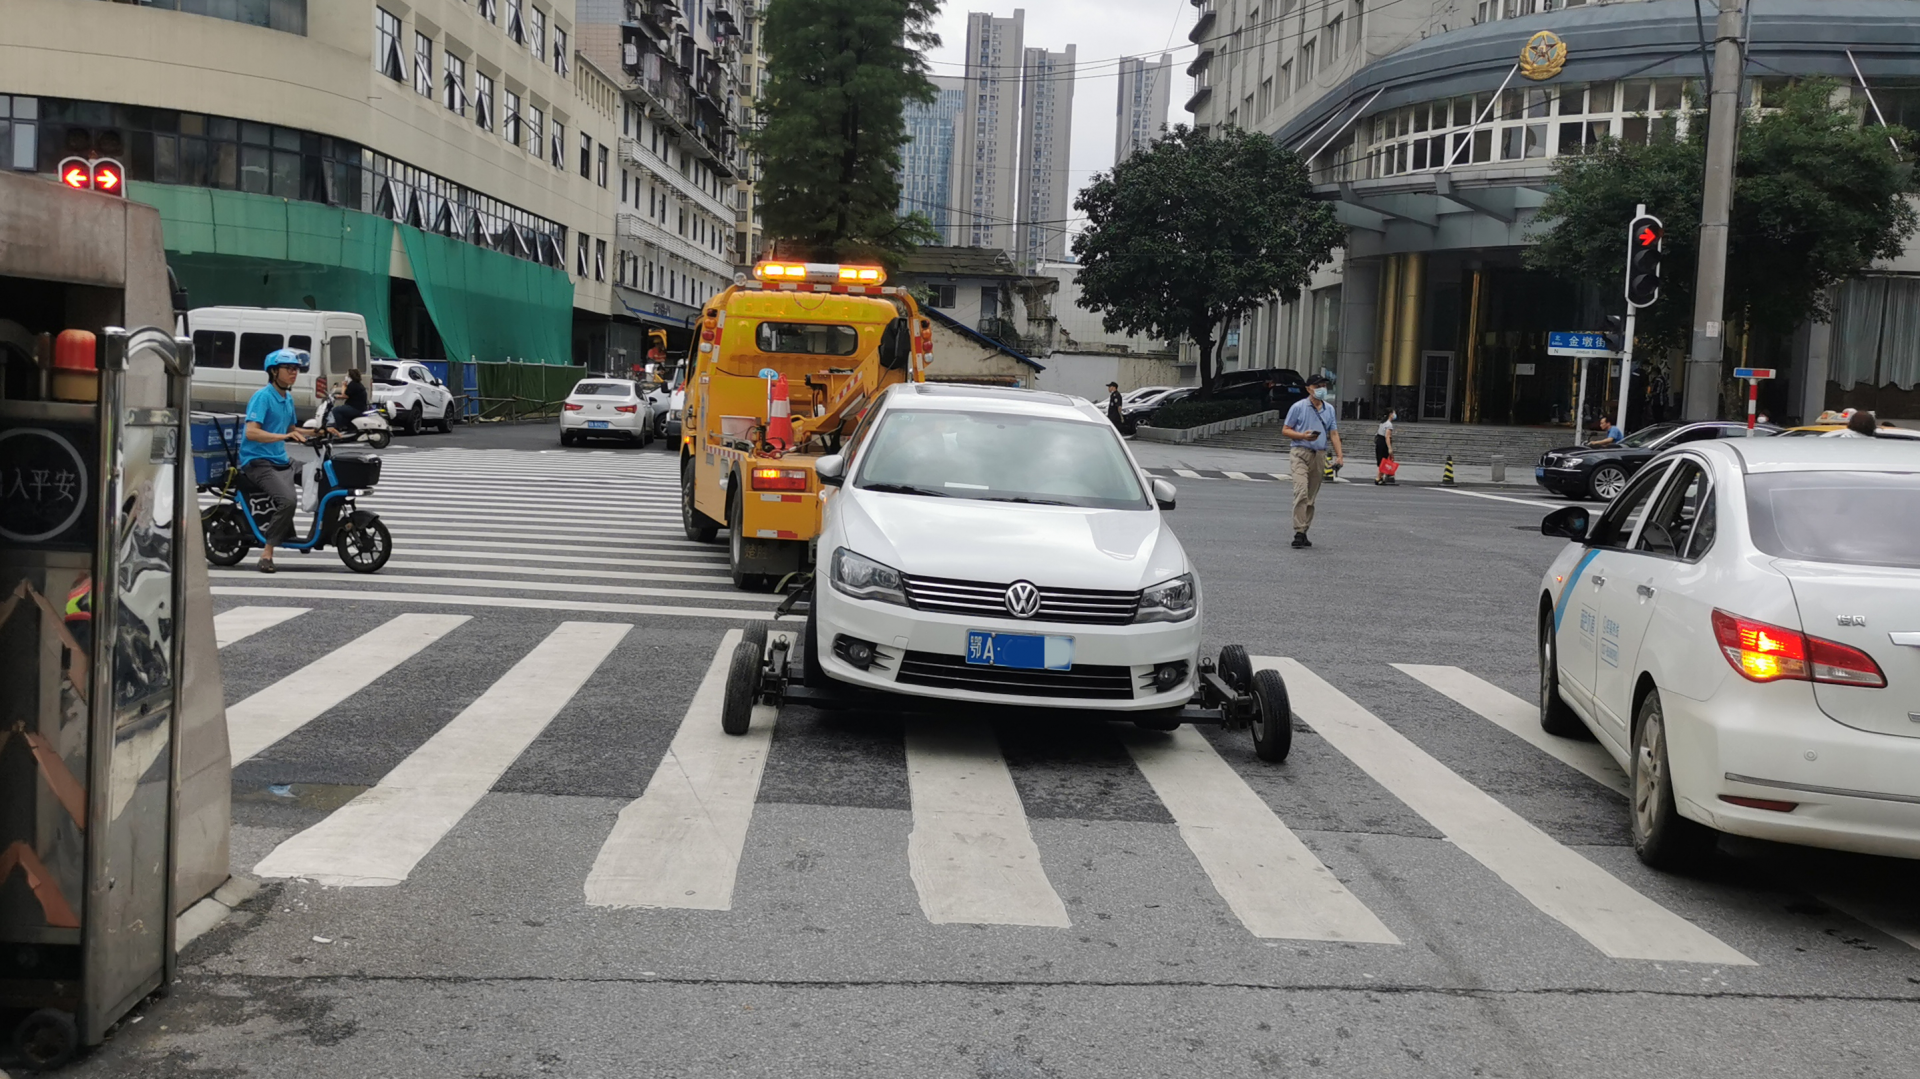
[(596, 423), (1538, 471), (1027, 651)]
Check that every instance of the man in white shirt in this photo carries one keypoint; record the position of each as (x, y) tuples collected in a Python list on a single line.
[(1312, 426)]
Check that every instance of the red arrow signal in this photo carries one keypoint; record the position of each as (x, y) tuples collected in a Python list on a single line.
[(1647, 236)]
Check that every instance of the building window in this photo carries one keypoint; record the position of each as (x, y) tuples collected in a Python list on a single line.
[(559, 141), (489, 10), (537, 31), (516, 27), (560, 61), (599, 260), (602, 163), (386, 45), (941, 296), (535, 120), (423, 65), (1306, 63), (483, 101), (510, 116), (19, 133), (586, 155), (1333, 38), (454, 83), (1266, 95), (580, 257)]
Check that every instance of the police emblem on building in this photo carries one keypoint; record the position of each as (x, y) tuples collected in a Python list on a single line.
[(1543, 57)]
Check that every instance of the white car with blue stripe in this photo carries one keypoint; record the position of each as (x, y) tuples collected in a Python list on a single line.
[(1740, 629)]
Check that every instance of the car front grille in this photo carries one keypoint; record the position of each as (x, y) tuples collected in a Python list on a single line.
[(1085, 606), (1082, 681)]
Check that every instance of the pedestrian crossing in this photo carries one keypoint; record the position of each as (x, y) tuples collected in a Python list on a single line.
[(972, 854), (582, 533)]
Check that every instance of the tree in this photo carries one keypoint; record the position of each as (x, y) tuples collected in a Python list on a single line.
[(1817, 198), (839, 75), (1197, 228)]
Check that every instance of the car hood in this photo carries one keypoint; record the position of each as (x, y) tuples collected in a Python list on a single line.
[(996, 542), (1594, 452)]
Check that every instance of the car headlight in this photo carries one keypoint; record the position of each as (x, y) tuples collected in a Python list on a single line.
[(863, 578), (1168, 601), (673, 415)]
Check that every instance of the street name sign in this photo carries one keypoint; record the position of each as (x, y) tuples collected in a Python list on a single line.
[(1579, 343)]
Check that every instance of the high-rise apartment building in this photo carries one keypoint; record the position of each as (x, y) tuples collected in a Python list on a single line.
[(1046, 135), (985, 161), (926, 162), (1146, 90), (747, 228)]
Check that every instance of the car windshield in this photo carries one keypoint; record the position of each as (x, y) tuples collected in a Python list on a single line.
[(387, 374), (807, 338), (1860, 518), (603, 389), (1647, 436), (1004, 457)]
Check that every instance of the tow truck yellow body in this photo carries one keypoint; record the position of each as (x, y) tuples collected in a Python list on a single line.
[(839, 335)]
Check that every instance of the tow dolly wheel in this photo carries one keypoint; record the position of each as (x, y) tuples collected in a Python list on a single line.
[(1236, 669), (756, 635), (46, 1039), (743, 687), (1273, 717)]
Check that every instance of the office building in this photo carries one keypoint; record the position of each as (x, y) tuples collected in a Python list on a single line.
[(985, 162), (1046, 136)]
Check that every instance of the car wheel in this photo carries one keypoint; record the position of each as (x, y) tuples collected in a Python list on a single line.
[(743, 688), (413, 420), (1661, 836), (1556, 715), (1165, 719), (1273, 718), (812, 675), (566, 438), (446, 418), (699, 527), (1607, 482)]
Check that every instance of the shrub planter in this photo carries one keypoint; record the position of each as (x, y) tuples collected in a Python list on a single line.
[(1195, 434)]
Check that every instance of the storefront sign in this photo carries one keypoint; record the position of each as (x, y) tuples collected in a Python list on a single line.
[(44, 493)]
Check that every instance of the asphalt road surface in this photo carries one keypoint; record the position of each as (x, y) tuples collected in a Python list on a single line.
[(499, 834)]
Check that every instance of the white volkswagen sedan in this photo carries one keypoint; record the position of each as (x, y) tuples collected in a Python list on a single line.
[(1740, 629), (1001, 546), (606, 408)]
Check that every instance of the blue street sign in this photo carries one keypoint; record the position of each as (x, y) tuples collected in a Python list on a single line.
[(1753, 372), (1578, 343)]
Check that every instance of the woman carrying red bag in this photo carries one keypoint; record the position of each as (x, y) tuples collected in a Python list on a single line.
[(1383, 452)]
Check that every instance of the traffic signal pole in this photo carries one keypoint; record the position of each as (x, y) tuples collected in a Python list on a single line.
[(1702, 389)]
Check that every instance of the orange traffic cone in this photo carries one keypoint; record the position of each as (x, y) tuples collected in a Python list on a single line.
[(779, 416)]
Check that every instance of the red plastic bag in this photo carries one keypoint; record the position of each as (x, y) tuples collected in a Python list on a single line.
[(1389, 466)]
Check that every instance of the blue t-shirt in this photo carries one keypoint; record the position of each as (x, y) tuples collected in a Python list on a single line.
[(1310, 415), (1614, 432), (273, 411)]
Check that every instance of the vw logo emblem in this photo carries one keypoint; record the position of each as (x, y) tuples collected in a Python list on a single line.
[(1023, 599)]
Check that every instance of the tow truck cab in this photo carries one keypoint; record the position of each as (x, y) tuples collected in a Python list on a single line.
[(837, 335)]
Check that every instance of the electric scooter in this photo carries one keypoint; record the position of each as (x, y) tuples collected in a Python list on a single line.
[(369, 427), (232, 525)]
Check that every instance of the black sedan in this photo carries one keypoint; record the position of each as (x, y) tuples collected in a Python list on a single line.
[(1602, 471)]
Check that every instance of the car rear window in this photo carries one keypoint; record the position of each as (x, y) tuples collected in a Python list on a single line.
[(1859, 518), (807, 338), (603, 389), (387, 374)]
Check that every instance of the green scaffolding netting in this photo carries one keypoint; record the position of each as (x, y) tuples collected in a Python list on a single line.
[(488, 306), (235, 249)]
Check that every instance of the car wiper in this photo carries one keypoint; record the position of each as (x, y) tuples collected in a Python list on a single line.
[(902, 489), (1029, 501)]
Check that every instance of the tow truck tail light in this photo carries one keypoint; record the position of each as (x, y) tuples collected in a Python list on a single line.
[(625, 408), (779, 479), (571, 407), (1762, 652)]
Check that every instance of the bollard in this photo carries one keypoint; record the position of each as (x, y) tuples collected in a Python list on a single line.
[(1499, 468), (1446, 478), (1327, 472)]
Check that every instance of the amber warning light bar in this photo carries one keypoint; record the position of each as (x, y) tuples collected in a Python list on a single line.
[(820, 273)]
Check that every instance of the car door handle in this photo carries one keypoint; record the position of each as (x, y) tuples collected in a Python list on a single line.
[(1599, 580), (1644, 589)]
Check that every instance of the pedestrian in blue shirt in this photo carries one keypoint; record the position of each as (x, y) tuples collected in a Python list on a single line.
[(1614, 436), (1313, 428), (263, 452)]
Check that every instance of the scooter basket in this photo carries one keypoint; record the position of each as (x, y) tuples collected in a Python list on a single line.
[(358, 470)]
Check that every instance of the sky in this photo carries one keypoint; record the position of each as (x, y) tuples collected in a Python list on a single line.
[(1101, 31)]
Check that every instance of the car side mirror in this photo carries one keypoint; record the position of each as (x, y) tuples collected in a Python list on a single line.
[(1571, 522), (832, 470), (437, 382), (1163, 493)]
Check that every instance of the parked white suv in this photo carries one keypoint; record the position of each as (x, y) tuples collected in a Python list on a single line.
[(408, 395)]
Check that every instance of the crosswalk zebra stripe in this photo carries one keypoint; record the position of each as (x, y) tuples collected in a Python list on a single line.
[(301, 697), (378, 838), (1897, 920), (702, 552), (679, 844), (1186, 472), (572, 525), (642, 537), (239, 623), (1238, 476), (1521, 718), (1270, 880), (971, 855), (582, 588), (711, 564), (593, 572), (442, 599), (1619, 921)]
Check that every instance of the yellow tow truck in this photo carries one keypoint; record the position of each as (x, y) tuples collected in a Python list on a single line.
[(830, 338)]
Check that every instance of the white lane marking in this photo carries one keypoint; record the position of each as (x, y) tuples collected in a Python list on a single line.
[(678, 845), (638, 537), (378, 838), (1499, 498), (1611, 916), (412, 512), (1271, 881), (633, 548), (1236, 475), (718, 564), (1284, 477), (1897, 920), (586, 588), (432, 599), (586, 572), (609, 505), (239, 623), (1187, 472), (971, 854), (1521, 718), (306, 694)]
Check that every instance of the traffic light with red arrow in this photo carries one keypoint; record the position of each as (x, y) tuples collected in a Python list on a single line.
[(104, 175), (1644, 242)]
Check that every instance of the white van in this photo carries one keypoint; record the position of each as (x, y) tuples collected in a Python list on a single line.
[(231, 345)]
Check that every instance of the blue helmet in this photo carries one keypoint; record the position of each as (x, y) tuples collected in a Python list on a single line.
[(287, 357)]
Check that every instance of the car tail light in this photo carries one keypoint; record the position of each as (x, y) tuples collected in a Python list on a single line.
[(779, 479), (625, 408), (1768, 653), (1760, 803), (571, 407)]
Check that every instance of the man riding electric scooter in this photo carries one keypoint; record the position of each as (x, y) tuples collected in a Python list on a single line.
[(263, 452)]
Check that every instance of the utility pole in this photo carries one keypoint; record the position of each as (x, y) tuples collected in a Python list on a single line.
[(1702, 387)]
